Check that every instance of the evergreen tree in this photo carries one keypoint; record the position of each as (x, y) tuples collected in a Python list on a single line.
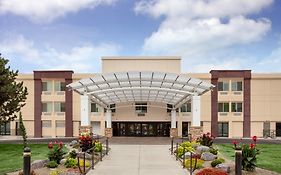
[(12, 93), (22, 131)]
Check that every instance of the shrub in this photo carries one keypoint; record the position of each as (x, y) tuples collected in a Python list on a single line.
[(213, 151), (206, 139), (85, 141), (98, 146), (183, 148), (215, 162), (52, 164), (249, 153), (56, 172), (72, 154), (211, 171), (32, 172), (87, 163), (71, 163), (199, 163), (56, 152)]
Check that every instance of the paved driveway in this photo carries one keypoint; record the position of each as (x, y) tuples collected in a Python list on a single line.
[(139, 160)]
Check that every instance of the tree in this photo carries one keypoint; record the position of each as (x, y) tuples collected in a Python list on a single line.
[(12, 93), (22, 131)]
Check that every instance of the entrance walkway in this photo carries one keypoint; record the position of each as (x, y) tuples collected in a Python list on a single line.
[(139, 160)]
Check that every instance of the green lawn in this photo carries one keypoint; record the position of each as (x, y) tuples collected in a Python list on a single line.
[(269, 157), (11, 156)]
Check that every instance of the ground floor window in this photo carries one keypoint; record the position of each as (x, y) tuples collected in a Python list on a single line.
[(278, 129), (223, 129), (5, 128)]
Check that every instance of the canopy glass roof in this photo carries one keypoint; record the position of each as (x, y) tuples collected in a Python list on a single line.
[(112, 88)]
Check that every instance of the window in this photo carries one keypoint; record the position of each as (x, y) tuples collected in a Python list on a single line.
[(47, 107), (59, 106), (60, 124), (47, 124), (223, 129), (236, 86), (236, 107), (60, 86), (223, 107), (94, 107), (112, 107), (186, 107), (223, 86), (141, 107), (47, 86)]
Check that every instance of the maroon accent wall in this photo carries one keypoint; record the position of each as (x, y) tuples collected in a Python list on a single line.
[(214, 108), (68, 111), (38, 75), (246, 75), (37, 107)]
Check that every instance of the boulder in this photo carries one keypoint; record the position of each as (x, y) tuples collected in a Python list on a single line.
[(38, 164), (73, 142), (187, 155), (63, 161), (223, 166), (208, 156), (87, 155), (201, 149)]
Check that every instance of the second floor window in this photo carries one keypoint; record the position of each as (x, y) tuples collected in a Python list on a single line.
[(94, 107), (236, 107), (47, 107), (141, 108), (59, 106), (186, 107), (223, 107), (47, 86), (60, 86), (236, 86), (223, 86)]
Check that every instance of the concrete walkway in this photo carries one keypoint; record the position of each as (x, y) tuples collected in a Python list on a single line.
[(139, 160)]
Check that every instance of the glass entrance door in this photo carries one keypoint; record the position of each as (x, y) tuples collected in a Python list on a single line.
[(141, 129)]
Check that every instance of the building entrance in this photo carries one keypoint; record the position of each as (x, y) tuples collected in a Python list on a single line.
[(141, 129)]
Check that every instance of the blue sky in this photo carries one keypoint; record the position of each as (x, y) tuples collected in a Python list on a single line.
[(207, 34)]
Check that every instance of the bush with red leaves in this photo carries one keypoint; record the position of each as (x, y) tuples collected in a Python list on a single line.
[(211, 171)]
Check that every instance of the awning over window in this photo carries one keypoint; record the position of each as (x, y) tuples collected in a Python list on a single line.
[(169, 88)]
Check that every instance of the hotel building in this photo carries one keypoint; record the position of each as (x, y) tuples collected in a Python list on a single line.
[(152, 99)]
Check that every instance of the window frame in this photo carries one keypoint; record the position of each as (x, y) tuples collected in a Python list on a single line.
[(186, 107), (221, 130), (234, 86), (223, 107), (235, 105), (141, 108), (224, 85)]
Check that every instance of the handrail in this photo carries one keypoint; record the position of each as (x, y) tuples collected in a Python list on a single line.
[(105, 144)]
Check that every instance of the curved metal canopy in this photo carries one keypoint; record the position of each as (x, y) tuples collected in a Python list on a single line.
[(112, 88)]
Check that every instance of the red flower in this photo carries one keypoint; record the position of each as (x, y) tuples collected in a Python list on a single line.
[(254, 138), (60, 146), (252, 146), (56, 142), (50, 146), (234, 142)]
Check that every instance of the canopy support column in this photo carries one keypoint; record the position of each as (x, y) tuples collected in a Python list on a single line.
[(196, 130), (85, 105), (108, 129), (85, 110), (174, 129), (196, 110)]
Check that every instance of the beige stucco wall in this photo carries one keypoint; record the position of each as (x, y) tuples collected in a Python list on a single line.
[(159, 64)]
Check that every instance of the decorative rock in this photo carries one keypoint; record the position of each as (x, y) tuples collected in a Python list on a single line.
[(38, 164), (208, 156), (63, 161), (73, 142), (223, 166), (201, 149), (87, 156), (187, 155)]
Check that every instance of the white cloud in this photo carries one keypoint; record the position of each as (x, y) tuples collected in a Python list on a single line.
[(195, 29), (47, 10), (82, 58)]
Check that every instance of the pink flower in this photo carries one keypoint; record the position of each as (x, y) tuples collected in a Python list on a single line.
[(56, 142), (234, 142), (252, 146), (254, 138), (50, 145), (60, 146)]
